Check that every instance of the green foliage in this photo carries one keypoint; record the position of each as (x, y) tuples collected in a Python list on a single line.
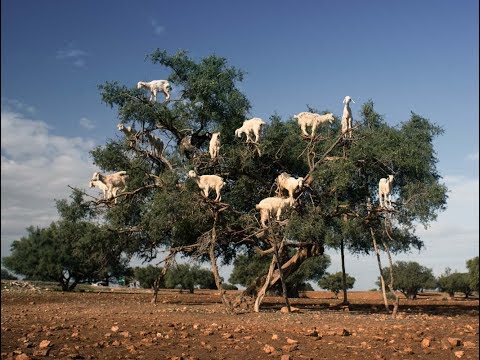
[(68, 251), (147, 276), (455, 282), (410, 278), (227, 286), (6, 275), (334, 282), (473, 273)]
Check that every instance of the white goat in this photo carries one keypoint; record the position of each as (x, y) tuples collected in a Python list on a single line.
[(273, 206), (207, 182), (156, 86), (385, 190), (249, 127), (214, 147), (101, 186), (129, 133), (114, 182), (347, 118), (289, 183), (156, 144), (312, 119)]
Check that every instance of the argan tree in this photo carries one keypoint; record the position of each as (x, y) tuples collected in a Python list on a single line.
[(69, 251), (164, 211)]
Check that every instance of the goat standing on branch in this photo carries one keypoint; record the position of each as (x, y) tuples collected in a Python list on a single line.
[(207, 182), (312, 119), (385, 190), (251, 127), (289, 183), (347, 118), (156, 86), (129, 133), (273, 206), (113, 182), (214, 147)]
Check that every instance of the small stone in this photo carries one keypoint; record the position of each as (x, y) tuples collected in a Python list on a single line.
[(291, 341), (114, 328), (22, 357), (274, 337), (290, 348), (125, 334), (345, 332), (459, 354), (285, 357), (268, 349), (44, 344), (454, 341), (408, 350), (425, 343), (227, 336), (41, 352), (116, 343), (292, 309), (468, 344)]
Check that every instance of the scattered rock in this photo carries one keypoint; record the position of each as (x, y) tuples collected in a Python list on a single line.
[(285, 357), (274, 337), (425, 343), (454, 341), (22, 357), (125, 334), (292, 310), (459, 354), (291, 341), (114, 328), (44, 344), (227, 336), (408, 350), (268, 349), (41, 352), (469, 344), (290, 348)]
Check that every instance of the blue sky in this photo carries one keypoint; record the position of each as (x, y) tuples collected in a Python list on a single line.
[(419, 56)]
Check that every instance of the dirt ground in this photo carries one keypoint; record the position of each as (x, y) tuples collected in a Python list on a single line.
[(122, 324)]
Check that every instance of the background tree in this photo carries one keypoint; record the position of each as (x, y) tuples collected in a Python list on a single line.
[(147, 276), (473, 273), (455, 282), (69, 251), (411, 278), (334, 282), (163, 209), (188, 277), (6, 275), (246, 269)]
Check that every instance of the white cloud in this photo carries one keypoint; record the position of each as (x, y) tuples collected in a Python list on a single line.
[(87, 123), (473, 156), (75, 56), (16, 105), (36, 168), (157, 28)]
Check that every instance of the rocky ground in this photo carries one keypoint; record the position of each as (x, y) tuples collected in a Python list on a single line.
[(108, 323)]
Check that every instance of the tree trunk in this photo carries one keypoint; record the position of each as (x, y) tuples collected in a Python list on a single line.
[(216, 274), (390, 285), (288, 267), (382, 281), (261, 293), (344, 274), (279, 267)]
